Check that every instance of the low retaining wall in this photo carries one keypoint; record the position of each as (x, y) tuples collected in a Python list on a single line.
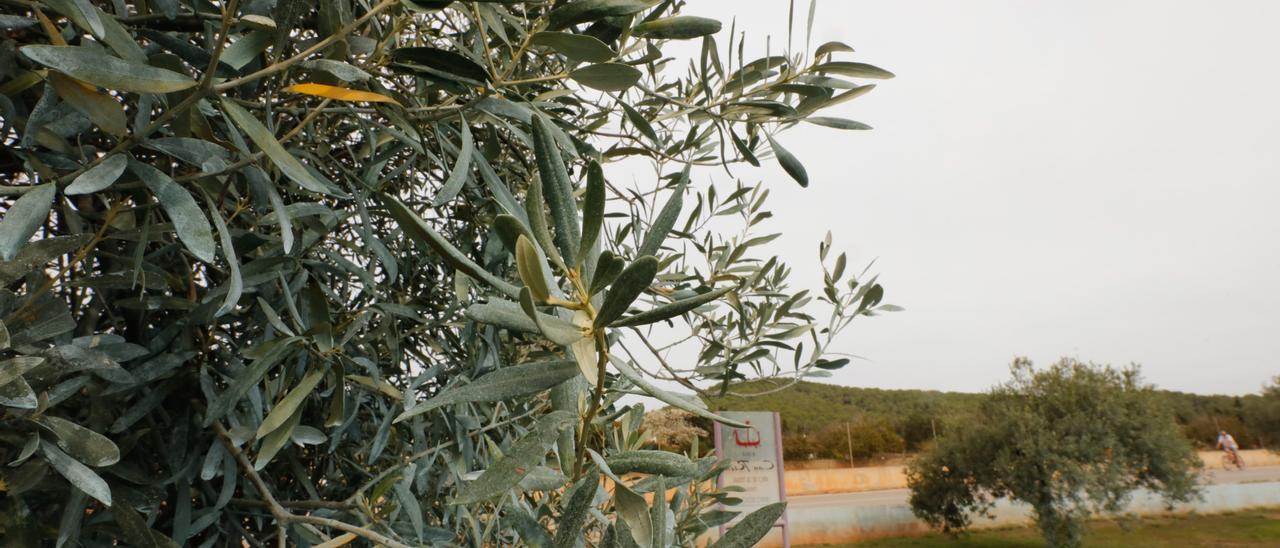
[(879, 478), (847, 523)]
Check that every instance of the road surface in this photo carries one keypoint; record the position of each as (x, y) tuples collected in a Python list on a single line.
[(900, 496)]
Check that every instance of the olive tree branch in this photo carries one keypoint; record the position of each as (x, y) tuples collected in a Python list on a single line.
[(278, 511)]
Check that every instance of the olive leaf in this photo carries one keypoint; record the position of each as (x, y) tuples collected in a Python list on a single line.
[(633, 280), (530, 265), (751, 529), (287, 163), (81, 476), (665, 463), (680, 27), (569, 526), (25, 217), (461, 170), (506, 383), (99, 176), (583, 11), (188, 219), (81, 443), (522, 457), (789, 163), (98, 68), (672, 309), (289, 404), (666, 219), (557, 189), (607, 76), (856, 70), (509, 315), (574, 46), (592, 211)]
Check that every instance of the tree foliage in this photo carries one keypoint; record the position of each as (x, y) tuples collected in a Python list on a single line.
[(1264, 415), (1072, 440), (309, 272)]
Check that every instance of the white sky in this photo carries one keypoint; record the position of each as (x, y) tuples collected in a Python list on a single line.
[(1094, 179)]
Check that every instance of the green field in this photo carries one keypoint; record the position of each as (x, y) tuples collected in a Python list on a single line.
[(1245, 528)]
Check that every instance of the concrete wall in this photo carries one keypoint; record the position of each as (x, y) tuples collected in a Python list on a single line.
[(845, 480), (878, 478), (837, 523)]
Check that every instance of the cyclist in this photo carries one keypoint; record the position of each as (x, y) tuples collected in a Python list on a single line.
[(1228, 444)]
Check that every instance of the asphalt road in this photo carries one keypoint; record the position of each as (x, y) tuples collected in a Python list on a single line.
[(900, 496)]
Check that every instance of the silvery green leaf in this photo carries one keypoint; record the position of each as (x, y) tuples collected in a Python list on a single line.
[(607, 76), (789, 163), (752, 528), (633, 280), (98, 68), (664, 463), (506, 383), (672, 309), (208, 156), (569, 527), (284, 161), (23, 218), (680, 27), (78, 474), (18, 394), (523, 456), (461, 170), (666, 219), (188, 219), (556, 188), (343, 71), (579, 47), (692, 405), (98, 177), (509, 315), (287, 405), (235, 283), (13, 369), (83, 444)]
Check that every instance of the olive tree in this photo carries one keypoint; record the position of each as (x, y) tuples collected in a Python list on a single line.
[(292, 272), (1073, 440), (1264, 415)]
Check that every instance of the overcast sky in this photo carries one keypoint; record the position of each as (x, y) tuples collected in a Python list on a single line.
[(1095, 179)]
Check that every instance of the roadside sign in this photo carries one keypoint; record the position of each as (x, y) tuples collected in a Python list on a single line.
[(755, 456)]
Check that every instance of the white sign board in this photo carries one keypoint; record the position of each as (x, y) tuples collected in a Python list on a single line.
[(755, 457)]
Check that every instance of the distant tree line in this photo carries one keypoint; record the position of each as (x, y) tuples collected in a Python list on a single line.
[(824, 421)]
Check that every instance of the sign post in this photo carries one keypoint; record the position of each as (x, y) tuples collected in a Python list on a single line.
[(755, 456)]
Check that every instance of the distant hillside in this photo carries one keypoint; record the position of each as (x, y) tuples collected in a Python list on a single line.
[(822, 420)]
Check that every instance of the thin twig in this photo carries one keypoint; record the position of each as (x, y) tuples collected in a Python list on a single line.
[(302, 55), (284, 517)]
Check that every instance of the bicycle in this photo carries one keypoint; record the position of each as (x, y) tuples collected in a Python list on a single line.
[(1231, 458)]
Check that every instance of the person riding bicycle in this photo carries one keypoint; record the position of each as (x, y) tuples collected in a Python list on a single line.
[(1228, 444)]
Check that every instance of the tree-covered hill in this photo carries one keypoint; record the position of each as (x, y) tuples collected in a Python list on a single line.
[(814, 416)]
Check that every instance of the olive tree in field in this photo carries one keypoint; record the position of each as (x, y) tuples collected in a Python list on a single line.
[(303, 272), (1264, 415), (1072, 441)]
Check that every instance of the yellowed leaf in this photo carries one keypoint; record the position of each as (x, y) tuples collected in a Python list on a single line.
[(50, 29), (101, 108), (23, 81), (340, 93)]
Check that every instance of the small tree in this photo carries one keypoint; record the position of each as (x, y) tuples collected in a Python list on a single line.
[(290, 271), (861, 438), (1264, 415), (672, 429), (1072, 441)]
